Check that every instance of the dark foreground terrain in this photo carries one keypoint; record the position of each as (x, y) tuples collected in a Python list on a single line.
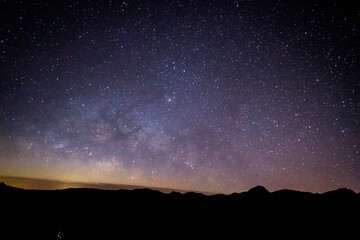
[(149, 214)]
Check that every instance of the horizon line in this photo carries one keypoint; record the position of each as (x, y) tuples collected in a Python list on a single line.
[(120, 186), (101, 185)]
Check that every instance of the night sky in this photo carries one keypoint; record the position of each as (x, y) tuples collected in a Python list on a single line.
[(198, 95)]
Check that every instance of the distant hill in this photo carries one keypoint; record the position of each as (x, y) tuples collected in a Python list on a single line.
[(151, 214), (51, 184)]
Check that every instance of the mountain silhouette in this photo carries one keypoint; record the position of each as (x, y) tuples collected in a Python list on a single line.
[(259, 191), (6, 188), (145, 213)]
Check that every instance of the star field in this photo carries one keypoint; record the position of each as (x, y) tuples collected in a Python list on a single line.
[(199, 95)]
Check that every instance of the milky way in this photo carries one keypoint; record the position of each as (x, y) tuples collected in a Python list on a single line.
[(199, 95)]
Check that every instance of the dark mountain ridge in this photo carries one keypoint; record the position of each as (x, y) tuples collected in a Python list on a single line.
[(113, 214)]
